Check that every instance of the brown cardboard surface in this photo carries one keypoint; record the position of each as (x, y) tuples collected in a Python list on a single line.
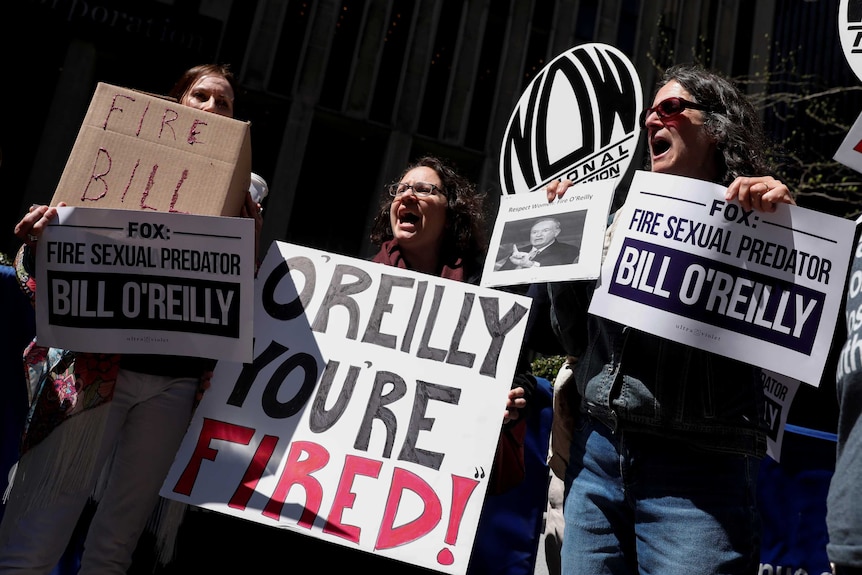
[(139, 151)]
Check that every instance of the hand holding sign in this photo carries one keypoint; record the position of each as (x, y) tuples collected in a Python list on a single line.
[(374, 395), (762, 287), (575, 123), (34, 223)]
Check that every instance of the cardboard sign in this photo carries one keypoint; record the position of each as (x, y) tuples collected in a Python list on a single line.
[(137, 151), (577, 119), (371, 413), (763, 288), (126, 281)]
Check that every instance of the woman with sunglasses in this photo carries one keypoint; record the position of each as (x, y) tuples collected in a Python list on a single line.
[(661, 442)]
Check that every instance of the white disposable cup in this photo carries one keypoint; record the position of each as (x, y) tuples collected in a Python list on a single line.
[(258, 188)]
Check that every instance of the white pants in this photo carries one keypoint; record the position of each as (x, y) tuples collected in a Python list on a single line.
[(147, 420), (554, 522)]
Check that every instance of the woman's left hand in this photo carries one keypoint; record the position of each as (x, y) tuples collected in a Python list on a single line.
[(31, 227), (514, 403), (761, 193)]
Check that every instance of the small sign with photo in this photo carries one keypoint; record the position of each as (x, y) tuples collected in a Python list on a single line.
[(534, 240)]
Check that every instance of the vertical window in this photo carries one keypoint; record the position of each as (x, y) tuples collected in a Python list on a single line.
[(540, 35), (289, 47), (235, 40), (339, 226), (440, 67), (486, 80), (706, 34), (628, 27), (392, 60), (585, 25), (743, 39), (666, 39), (341, 54)]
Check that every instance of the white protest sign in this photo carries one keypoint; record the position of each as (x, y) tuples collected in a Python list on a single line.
[(371, 413), (133, 281), (778, 391), (849, 152), (580, 216), (764, 288), (850, 32), (577, 119)]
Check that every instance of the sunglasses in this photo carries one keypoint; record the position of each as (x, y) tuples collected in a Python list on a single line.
[(671, 107)]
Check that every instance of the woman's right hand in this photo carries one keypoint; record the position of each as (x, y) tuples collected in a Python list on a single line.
[(33, 224), (557, 188)]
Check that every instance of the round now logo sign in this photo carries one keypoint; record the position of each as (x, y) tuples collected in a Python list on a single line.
[(850, 32), (577, 119)]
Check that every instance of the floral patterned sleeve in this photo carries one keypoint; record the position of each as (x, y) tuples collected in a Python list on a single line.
[(25, 268)]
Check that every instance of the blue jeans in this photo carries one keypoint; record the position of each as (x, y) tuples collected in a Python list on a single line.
[(636, 503)]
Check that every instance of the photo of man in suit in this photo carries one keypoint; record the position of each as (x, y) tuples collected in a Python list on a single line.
[(544, 248)]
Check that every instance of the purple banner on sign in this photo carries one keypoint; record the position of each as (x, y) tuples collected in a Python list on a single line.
[(718, 294)]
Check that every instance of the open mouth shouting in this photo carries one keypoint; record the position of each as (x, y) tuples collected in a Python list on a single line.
[(658, 145), (407, 219)]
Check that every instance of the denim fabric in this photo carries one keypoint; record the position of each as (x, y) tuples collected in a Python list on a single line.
[(665, 449), (636, 503), (635, 381)]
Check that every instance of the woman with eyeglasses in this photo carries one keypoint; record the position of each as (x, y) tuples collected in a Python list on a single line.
[(431, 220), (434, 222), (661, 442)]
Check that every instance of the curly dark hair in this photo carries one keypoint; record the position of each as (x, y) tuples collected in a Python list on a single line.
[(465, 213), (742, 146)]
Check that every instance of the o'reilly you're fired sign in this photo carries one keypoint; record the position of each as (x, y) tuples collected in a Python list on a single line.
[(126, 281)]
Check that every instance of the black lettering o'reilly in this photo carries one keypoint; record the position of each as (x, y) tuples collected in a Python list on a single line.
[(294, 308)]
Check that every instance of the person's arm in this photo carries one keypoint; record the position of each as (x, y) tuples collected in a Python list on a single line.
[(509, 466), (29, 229), (516, 402)]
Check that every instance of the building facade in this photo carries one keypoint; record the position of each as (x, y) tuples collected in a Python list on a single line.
[(342, 94)]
